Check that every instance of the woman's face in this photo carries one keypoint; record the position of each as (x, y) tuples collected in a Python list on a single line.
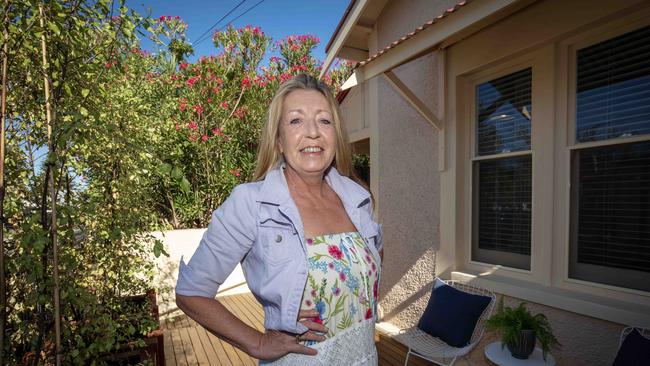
[(307, 135)]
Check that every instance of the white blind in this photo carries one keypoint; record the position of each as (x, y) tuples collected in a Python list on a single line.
[(610, 215), (504, 204), (613, 88), (504, 110)]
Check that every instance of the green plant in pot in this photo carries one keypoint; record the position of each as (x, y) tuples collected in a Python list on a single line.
[(519, 330)]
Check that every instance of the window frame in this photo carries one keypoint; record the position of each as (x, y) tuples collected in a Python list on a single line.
[(475, 180), (568, 144), (540, 61)]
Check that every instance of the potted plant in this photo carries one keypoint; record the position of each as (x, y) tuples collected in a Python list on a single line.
[(519, 330)]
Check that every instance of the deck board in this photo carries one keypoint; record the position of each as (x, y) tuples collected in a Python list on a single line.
[(179, 353), (170, 359), (187, 343), (188, 347)]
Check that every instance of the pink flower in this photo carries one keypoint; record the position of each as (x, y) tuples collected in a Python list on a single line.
[(246, 82), (330, 265), (183, 65), (337, 291), (240, 113), (204, 138), (198, 109), (235, 172), (342, 277), (374, 289), (177, 127), (193, 138), (224, 104), (335, 252), (374, 267), (310, 242), (314, 293), (192, 125), (308, 302), (217, 131), (191, 81), (368, 313)]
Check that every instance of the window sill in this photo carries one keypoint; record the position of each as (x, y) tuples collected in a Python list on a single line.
[(600, 307)]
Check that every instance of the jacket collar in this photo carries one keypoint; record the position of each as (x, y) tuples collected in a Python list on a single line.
[(276, 192)]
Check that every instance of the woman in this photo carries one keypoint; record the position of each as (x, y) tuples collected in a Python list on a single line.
[(304, 234)]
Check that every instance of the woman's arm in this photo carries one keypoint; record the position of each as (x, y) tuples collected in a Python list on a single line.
[(271, 345)]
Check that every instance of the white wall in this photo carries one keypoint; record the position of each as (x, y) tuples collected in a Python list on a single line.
[(182, 244)]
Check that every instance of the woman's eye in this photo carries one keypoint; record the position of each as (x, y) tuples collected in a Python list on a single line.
[(294, 121), (325, 121)]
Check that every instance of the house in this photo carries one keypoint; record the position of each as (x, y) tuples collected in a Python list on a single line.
[(509, 145)]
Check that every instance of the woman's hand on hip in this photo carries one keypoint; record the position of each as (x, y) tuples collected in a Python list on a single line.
[(274, 344)]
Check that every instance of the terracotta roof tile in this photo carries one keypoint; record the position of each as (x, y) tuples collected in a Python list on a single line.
[(411, 34)]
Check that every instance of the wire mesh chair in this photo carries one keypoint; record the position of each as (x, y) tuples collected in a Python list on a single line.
[(433, 349), (645, 332)]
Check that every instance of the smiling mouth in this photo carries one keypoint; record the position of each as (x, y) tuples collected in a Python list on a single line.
[(312, 149)]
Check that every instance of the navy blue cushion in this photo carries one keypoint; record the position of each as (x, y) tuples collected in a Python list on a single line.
[(451, 315), (635, 351)]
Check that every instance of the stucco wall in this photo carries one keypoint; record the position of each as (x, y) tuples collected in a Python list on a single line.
[(407, 188)]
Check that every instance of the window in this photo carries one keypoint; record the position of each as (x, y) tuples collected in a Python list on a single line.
[(610, 163), (502, 171)]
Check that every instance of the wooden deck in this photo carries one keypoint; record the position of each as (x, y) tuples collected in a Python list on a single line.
[(187, 343)]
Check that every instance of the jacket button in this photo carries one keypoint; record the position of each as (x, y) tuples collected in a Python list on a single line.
[(278, 238)]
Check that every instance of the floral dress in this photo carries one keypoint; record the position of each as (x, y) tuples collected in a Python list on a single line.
[(342, 281)]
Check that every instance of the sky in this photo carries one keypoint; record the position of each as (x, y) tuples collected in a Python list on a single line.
[(276, 18)]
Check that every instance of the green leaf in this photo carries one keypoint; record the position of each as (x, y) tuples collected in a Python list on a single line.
[(54, 28), (185, 185), (83, 111), (177, 173), (85, 92), (164, 168), (158, 249)]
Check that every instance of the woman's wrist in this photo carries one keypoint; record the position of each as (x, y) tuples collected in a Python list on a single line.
[(253, 345)]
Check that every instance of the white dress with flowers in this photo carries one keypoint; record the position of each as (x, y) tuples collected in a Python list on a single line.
[(342, 282)]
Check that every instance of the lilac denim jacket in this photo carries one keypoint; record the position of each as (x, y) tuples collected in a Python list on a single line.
[(259, 226)]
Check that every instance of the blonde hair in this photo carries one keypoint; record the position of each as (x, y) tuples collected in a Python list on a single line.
[(268, 156)]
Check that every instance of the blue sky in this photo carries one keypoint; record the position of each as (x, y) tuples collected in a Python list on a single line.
[(277, 18)]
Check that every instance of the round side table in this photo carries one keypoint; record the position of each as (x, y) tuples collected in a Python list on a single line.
[(502, 357)]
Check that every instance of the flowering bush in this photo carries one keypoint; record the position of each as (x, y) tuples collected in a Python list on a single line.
[(220, 106)]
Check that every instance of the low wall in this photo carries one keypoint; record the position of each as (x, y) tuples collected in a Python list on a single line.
[(182, 244)]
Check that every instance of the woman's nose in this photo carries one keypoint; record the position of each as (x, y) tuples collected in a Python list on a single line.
[(312, 128)]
